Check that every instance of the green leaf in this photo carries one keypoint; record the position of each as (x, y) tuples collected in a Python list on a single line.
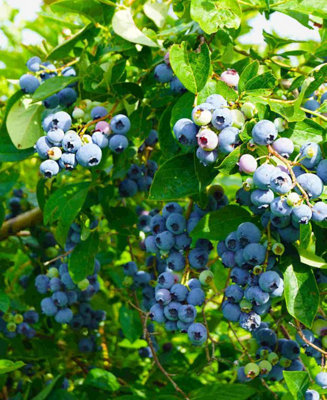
[(63, 206), (101, 379), (264, 81), (317, 7), (249, 72), (124, 26), (9, 366), (230, 161), (288, 111), (212, 87), (4, 301), (81, 261), (91, 9), (305, 131), (182, 109), (212, 15), (47, 390), (124, 88), (120, 217), (24, 123), (191, 68), (175, 179), (8, 179), (157, 12), (216, 225), (305, 235), (301, 293), (309, 258), (221, 391), (168, 143), (297, 383), (52, 86), (130, 323), (63, 49)]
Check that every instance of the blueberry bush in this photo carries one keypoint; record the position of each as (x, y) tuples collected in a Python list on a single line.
[(163, 202)]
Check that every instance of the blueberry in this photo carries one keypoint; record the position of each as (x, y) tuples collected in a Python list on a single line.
[(262, 176), (247, 233), (120, 124), (59, 299), (206, 157), (55, 136), (311, 105), (266, 337), (264, 132), (31, 317), (60, 120), (217, 101), (48, 307), (280, 207), (312, 184), (100, 139), (290, 349), (42, 147), (183, 326), (308, 335), (130, 268), (262, 309), (201, 114), (89, 155), (66, 279), (234, 293), (165, 240), (178, 292), (49, 168), (228, 259), (280, 222), (166, 280), (322, 171), (171, 310), (86, 345), (42, 283), (301, 214), (176, 261), (68, 161), (239, 276), (280, 182), (207, 139), (171, 208), (276, 373), (171, 326), (284, 146), (243, 197), (67, 97), (176, 86), (198, 258), (269, 281), (249, 321), (254, 253), (150, 244), (231, 311), (256, 295), (247, 163), (28, 83), (163, 73), (194, 283), (187, 313), (118, 143), (176, 223), (228, 140), (98, 112), (51, 101), (127, 188), (262, 198), (33, 64), (311, 395), (192, 223), (185, 131), (321, 379), (197, 333), (156, 313), (48, 70), (141, 278), (152, 138), (310, 155), (241, 377), (196, 297), (319, 212), (222, 118), (289, 234), (231, 242)]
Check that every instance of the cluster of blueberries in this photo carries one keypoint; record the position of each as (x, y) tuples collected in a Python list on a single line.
[(13, 323), (276, 191), (163, 73), (75, 232), (272, 356), (15, 204), (66, 296), (255, 283), (312, 102), (63, 148), (139, 179), (41, 71), (213, 129)]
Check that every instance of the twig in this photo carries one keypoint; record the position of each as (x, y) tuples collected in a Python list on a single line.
[(297, 326), (58, 257), (21, 222)]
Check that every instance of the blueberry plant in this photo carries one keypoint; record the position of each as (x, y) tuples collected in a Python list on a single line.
[(163, 203)]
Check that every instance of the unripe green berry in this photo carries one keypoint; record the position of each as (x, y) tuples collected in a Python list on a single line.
[(202, 117), (251, 370), (51, 252), (248, 184), (252, 345), (18, 319), (293, 199), (128, 281), (206, 277), (278, 249), (238, 119), (257, 270), (11, 327), (285, 362), (53, 272), (273, 358), (319, 327), (249, 110), (54, 153), (264, 353), (280, 124), (245, 305), (8, 317), (78, 113), (84, 284), (86, 139), (324, 342), (265, 367)]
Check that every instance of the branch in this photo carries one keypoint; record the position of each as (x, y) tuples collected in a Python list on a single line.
[(297, 326), (21, 222)]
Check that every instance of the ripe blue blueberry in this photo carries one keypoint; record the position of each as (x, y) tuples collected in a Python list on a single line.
[(48, 307), (33, 64), (228, 139), (51, 101), (130, 268), (156, 313), (89, 155), (68, 161), (100, 139), (311, 394), (322, 171), (165, 240), (231, 311), (166, 280), (196, 297), (311, 105), (60, 120), (194, 283), (176, 261), (28, 83), (254, 253), (98, 112), (289, 234), (217, 101), (312, 184), (163, 297), (310, 155), (262, 198), (118, 143), (262, 176), (67, 97), (206, 157), (284, 146), (249, 321), (269, 281), (176, 86), (301, 214), (280, 207), (150, 244), (49, 168), (42, 147), (239, 276), (280, 222), (197, 333), (198, 258), (59, 299), (319, 212), (55, 136), (120, 124), (234, 293), (185, 131), (176, 223), (228, 259), (280, 182), (163, 73), (152, 139), (264, 132), (231, 242), (187, 313), (222, 118), (127, 188), (266, 337), (183, 326), (290, 349), (247, 233), (64, 316), (171, 310)]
